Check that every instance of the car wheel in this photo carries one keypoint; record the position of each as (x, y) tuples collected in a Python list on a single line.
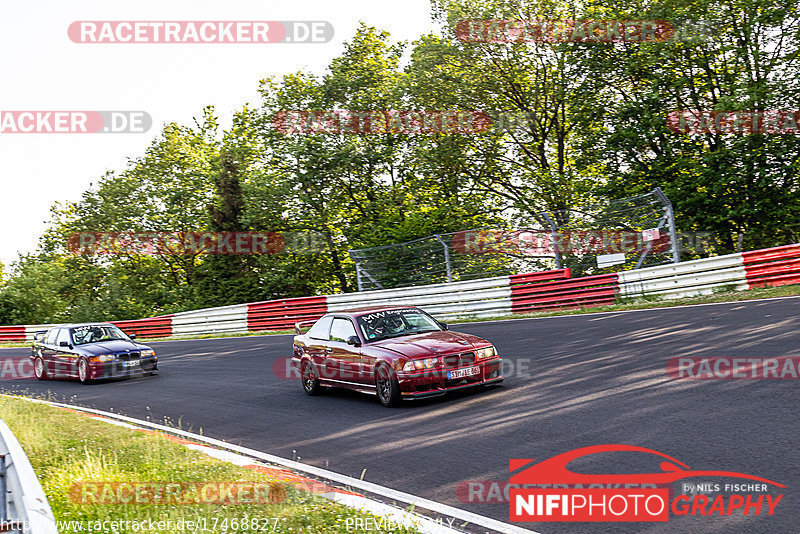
[(39, 369), (387, 386), (83, 371), (310, 382)]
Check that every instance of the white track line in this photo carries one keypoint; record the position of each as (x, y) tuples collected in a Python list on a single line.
[(369, 487)]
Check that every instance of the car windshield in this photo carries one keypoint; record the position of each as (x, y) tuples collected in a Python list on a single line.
[(395, 323), (95, 333)]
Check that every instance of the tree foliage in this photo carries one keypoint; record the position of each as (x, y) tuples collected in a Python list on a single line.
[(574, 123)]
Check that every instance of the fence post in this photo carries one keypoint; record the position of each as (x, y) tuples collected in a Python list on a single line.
[(673, 235), (358, 273), (446, 258), (553, 231)]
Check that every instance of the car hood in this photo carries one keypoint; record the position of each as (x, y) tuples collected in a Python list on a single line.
[(111, 347), (430, 344)]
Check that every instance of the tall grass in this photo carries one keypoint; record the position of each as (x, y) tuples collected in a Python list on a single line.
[(68, 448)]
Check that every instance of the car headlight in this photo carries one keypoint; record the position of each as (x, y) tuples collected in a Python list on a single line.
[(148, 353), (415, 365), (102, 358), (487, 352)]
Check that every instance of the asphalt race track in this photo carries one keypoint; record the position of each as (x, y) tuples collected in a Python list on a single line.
[(593, 379)]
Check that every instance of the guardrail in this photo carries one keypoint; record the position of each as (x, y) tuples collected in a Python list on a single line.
[(488, 297), (23, 506), (689, 278), (282, 314), (529, 295), (151, 327), (777, 266), (226, 319), (12, 333)]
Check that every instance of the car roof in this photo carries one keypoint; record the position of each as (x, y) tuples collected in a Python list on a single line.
[(76, 325), (371, 309)]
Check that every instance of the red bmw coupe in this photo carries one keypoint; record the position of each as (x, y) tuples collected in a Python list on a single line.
[(394, 352)]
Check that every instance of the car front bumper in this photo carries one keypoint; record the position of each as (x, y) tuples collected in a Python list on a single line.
[(117, 369), (430, 383)]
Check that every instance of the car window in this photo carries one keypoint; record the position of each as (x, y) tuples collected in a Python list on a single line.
[(63, 335), (96, 333), (321, 328), (51, 336), (395, 323), (342, 329)]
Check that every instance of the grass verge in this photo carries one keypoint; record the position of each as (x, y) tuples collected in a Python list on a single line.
[(69, 451)]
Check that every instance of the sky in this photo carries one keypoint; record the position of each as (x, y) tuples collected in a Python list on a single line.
[(45, 71)]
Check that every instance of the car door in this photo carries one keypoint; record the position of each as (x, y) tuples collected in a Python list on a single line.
[(344, 358), (47, 350), (66, 360), (316, 349)]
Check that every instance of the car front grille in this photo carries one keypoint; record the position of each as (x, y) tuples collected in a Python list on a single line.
[(459, 360), (451, 361), (129, 356)]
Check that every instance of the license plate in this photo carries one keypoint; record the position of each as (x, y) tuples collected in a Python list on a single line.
[(461, 373), (130, 364)]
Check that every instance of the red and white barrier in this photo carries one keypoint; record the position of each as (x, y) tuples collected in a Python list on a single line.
[(689, 278), (282, 314), (487, 297), (778, 266), (225, 319)]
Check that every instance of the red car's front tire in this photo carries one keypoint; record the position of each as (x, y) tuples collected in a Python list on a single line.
[(387, 386), (310, 382)]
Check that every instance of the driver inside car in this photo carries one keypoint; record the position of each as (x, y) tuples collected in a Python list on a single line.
[(394, 324), (95, 335)]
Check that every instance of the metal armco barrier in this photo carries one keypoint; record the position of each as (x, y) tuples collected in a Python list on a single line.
[(24, 502), (282, 314), (12, 333), (487, 297), (529, 295), (211, 320), (152, 327), (779, 266), (686, 279)]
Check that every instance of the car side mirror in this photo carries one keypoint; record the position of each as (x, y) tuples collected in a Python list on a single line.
[(132, 336), (443, 325), (64, 344), (354, 341)]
